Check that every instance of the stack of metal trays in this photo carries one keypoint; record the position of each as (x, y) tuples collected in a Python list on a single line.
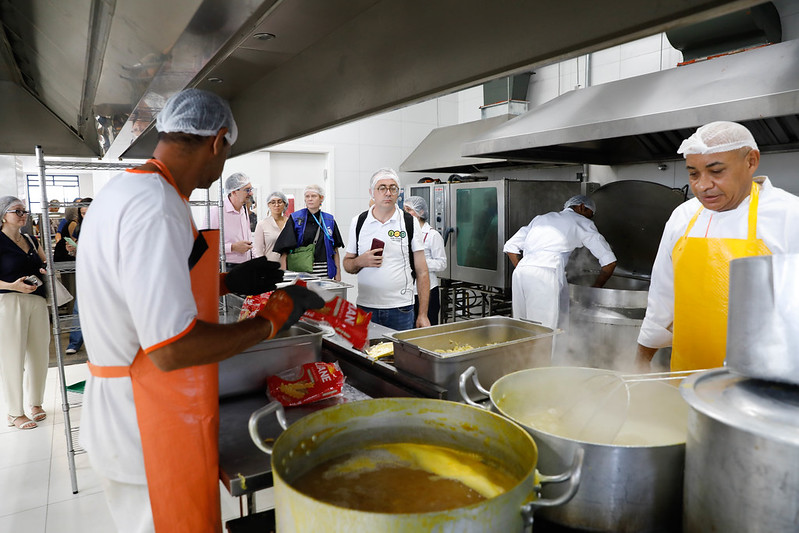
[(496, 346), (247, 371)]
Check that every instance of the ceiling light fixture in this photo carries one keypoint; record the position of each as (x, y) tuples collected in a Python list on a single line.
[(263, 36)]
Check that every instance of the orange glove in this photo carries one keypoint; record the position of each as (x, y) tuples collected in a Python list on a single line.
[(285, 307)]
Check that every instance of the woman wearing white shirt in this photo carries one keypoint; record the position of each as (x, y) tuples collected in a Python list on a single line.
[(434, 253), (269, 228)]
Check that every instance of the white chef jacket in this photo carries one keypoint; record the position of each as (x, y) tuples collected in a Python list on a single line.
[(777, 226), (434, 254), (237, 228), (134, 290), (391, 285), (549, 239), (539, 280)]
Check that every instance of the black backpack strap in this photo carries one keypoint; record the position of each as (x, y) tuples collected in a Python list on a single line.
[(358, 226), (409, 229)]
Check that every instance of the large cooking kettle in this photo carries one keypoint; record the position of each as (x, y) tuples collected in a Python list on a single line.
[(330, 432), (626, 488)]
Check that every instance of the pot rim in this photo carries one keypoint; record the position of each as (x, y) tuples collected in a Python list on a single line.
[(754, 419), (569, 439)]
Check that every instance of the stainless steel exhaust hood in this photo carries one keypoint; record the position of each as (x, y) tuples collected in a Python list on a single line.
[(645, 118), (440, 150)]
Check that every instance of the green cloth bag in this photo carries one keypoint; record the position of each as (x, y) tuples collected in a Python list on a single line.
[(300, 259)]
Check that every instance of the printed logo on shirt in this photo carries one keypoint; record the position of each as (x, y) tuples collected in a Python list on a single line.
[(396, 235)]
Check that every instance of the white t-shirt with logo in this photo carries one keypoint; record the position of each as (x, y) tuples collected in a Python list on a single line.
[(391, 285), (134, 290)]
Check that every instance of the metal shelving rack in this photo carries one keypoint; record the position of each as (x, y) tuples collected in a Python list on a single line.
[(63, 324)]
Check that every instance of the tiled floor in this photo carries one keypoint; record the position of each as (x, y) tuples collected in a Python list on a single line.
[(34, 475)]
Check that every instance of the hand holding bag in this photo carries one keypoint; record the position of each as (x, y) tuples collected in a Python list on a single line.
[(62, 295)]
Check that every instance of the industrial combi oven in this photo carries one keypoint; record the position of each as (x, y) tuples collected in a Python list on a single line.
[(476, 218)]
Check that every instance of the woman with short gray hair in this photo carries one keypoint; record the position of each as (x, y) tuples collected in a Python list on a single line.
[(310, 241), (24, 326), (268, 229)]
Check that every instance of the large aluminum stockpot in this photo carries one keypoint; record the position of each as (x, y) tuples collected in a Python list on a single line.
[(331, 432), (762, 331), (608, 319), (625, 488), (742, 454)]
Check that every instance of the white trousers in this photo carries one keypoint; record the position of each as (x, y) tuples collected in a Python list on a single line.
[(24, 345), (540, 295), (129, 504)]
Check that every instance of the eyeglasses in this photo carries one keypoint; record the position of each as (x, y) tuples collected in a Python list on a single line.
[(248, 190), (382, 189), (275, 202), (18, 212)]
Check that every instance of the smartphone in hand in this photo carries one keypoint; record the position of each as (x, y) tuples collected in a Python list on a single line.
[(378, 244)]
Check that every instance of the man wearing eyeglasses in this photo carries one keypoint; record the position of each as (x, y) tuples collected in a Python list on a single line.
[(238, 238), (386, 251)]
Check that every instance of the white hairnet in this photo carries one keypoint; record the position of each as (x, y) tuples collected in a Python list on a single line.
[(280, 196), (314, 188), (383, 174), (197, 112), (418, 204), (580, 199), (717, 137), (236, 181)]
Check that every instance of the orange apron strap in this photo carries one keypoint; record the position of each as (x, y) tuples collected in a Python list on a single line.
[(108, 371)]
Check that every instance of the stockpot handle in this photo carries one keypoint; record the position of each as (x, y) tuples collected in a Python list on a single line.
[(573, 476), (471, 372), (275, 407)]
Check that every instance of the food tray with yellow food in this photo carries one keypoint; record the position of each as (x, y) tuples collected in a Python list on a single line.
[(496, 346)]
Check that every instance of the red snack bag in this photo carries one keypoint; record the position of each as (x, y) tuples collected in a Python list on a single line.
[(306, 384), (253, 304), (346, 318)]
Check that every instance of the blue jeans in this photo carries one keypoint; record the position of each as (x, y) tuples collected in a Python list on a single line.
[(75, 337), (397, 318)]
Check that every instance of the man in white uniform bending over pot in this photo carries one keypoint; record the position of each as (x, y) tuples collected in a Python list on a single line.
[(539, 252)]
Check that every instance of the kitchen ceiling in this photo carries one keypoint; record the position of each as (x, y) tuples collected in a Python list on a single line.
[(87, 77)]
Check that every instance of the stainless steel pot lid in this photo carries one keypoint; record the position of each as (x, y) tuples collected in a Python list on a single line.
[(765, 408)]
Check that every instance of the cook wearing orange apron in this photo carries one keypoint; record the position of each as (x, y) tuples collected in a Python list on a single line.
[(178, 412), (701, 291)]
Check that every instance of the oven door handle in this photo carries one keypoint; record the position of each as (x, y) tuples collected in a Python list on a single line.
[(446, 234)]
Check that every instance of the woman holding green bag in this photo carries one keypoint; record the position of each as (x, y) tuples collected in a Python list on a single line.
[(310, 239)]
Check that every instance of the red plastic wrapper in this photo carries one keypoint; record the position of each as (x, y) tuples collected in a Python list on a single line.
[(345, 317), (348, 321), (306, 384), (253, 304)]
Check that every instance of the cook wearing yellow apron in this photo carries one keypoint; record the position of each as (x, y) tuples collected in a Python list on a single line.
[(178, 412), (701, 291)]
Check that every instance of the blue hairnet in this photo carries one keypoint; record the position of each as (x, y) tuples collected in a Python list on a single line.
[(580, 199), (197, 112)]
